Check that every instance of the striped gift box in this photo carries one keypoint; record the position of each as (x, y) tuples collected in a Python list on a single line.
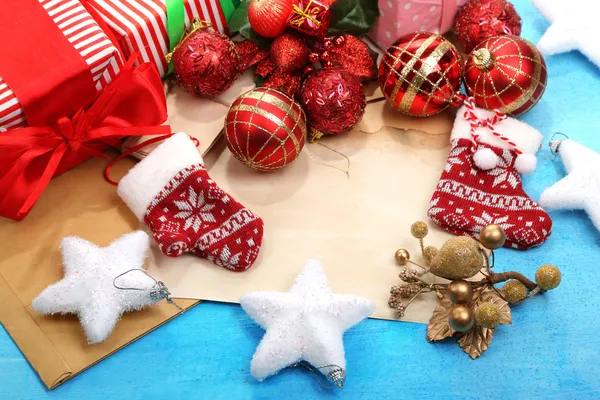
[(141, 25), (85, 35)]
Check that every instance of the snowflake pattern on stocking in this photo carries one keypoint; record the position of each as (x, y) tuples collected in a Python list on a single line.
[(192, 213), (467, 199), (194, 210)]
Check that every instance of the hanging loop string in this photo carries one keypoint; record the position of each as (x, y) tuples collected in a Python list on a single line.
[(136, 148), (336, 376), (158, 292), (489, 123), (555, 143)]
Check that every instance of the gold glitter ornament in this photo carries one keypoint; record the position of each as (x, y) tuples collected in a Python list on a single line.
[(492, 237), (458, 258), (419, 229), (461, 318), (548, 277), (487, 315), (460, 291), (514, 291), (402, 256), (429, 253)]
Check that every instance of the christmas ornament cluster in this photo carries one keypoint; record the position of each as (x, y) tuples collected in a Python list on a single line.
[(421, 74), (472, 309)]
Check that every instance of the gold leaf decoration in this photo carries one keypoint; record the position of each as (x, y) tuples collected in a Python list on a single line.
[(439, 328), (476, 341), (489, 295)]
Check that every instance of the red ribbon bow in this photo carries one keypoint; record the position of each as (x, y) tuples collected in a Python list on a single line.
[(133, 104)]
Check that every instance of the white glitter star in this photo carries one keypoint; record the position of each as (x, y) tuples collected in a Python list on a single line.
[(304, 324), (87, 288), (574, 27), (580, 189)]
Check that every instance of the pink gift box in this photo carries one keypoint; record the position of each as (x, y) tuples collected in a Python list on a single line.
[(399, 17)]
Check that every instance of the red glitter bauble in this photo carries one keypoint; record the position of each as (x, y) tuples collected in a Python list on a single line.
[(482, 19), (265, 129), (289, 52), (206, 63), (269, 17), (334, 101), (420, 74), (506, 73)]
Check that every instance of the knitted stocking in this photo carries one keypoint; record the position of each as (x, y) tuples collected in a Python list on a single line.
[(481, 185), (171, 191)]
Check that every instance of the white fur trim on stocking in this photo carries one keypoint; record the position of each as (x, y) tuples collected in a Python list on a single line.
[(525, 163), (527, 138), (485, 158), (144, 181)]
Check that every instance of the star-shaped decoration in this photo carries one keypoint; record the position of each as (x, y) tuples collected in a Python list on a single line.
[(92, 278), (574, 27), (580, 189), (306, 323)]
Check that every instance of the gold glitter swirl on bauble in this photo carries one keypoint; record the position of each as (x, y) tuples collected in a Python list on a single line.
[(506, 73)]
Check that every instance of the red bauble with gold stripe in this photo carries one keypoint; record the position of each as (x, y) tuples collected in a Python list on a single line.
[(506, 73), (420, 74), (265, 129)]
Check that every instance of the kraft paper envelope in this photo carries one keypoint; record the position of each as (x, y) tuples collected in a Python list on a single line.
[(311, 209), (79, 202)]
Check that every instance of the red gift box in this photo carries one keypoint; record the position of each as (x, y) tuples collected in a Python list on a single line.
[(69, 121), (311, 17), (100, 55), (141, 26)]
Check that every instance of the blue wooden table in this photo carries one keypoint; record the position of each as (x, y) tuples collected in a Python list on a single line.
[(550, 350)]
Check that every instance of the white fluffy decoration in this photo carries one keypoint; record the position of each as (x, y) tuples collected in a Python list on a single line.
[(526, 137), (304, 324), (141, 185), (525, 163), (485, 158), (574, 26), (87, 287), (580, 189)]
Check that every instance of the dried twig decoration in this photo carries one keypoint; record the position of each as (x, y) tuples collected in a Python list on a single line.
[(471, 309)]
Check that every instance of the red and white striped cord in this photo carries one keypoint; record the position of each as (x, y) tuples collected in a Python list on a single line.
[(490, 123)]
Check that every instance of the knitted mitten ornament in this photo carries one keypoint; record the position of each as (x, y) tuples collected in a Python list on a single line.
[(481, 185), (171, 191)]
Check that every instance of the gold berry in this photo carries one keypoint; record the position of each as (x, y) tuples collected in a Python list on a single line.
[(461, 318), (402, 256), (419, 229), (492, 237), (429, 252), (548, 277), (514, 291), (487, 315), (460, 291)]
